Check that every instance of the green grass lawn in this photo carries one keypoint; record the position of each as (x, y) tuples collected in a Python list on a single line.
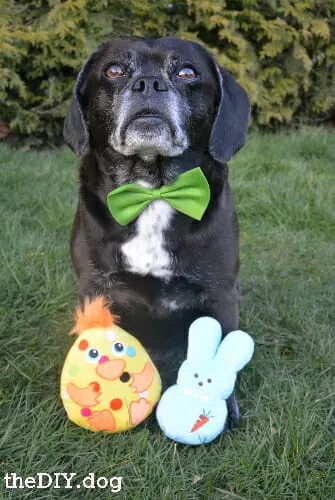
[(284, 187)]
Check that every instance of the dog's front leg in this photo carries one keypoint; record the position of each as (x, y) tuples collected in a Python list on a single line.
[(224, 308)]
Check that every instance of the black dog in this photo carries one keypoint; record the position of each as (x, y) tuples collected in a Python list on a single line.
[(145, 111)]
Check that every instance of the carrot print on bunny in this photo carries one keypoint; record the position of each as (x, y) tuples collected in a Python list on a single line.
[(194, 411)]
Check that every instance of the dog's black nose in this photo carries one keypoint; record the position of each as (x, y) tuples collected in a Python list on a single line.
[(149, 84)]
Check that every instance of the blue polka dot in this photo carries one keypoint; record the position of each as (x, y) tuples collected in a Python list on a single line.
[(131, 351)]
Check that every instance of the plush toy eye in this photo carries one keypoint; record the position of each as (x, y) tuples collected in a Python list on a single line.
[(209, 380), (196, 375), (118, 349), (93, 355), (187, 73), (114, 71)]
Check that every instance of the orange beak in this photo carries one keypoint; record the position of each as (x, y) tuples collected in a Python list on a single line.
[(112, 369)]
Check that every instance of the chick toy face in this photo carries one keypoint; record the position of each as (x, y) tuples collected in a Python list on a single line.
[(108, 382)]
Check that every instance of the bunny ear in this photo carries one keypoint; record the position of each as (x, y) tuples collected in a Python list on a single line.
[(203, 339), (236, 349)]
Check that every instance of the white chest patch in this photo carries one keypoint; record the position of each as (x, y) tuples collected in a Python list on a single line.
[(146, 253)]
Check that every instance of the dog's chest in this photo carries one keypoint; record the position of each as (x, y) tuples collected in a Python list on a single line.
[(146, 252)]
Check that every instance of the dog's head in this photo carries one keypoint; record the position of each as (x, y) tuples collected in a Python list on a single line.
[(151, 97)]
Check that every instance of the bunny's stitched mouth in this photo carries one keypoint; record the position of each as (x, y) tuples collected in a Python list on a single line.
[(189, 392)]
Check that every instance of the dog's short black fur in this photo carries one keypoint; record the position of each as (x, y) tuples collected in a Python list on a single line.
[(149, 123)]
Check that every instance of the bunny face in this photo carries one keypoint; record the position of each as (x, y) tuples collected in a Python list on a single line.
[(206, 381), (210, 368)]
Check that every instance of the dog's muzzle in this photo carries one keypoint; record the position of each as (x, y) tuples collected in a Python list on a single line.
[(149, 121)]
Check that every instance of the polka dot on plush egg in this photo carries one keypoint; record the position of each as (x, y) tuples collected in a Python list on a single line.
[(95, 386), (86, 412), (131, 351), (116, 404), (74, 370), (83, 345), (111, 335)]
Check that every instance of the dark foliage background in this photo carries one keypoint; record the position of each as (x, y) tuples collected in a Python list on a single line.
[(281, 51)]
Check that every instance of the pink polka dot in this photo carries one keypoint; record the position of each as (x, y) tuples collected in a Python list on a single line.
[(86, 412)]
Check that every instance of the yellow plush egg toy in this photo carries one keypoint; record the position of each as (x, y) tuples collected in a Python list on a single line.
[(108, 382)]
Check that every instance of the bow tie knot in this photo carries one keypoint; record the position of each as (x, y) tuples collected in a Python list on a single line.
[(188, 194)]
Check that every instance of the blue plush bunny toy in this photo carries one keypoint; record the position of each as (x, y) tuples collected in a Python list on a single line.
[(194, 411)]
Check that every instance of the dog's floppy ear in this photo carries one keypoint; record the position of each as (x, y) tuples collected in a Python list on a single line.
[(75, 130), (231, 122)]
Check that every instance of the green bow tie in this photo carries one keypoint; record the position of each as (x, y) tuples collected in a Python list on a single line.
[(189, 194)]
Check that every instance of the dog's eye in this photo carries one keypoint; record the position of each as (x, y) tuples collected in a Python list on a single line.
[(187, 73), (114, 71)]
